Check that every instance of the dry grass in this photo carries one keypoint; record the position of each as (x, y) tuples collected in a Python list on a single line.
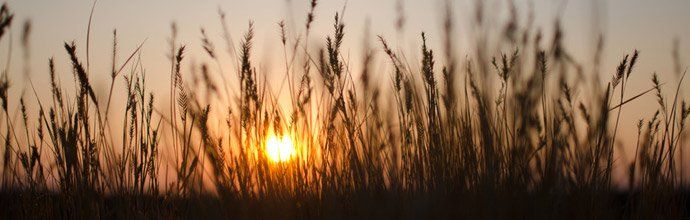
[(459, 142)]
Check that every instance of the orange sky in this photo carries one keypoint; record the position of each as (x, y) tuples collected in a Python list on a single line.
[(649, 26)]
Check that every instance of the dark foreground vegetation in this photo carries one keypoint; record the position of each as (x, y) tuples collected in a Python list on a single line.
[(527, 205), (524, 133)]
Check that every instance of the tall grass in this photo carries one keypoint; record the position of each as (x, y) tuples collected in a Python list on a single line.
[(494, 135)]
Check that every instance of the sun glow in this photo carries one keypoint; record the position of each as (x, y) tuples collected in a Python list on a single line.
[(279, 150)]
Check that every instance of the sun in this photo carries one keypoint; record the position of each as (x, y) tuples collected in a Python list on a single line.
[(279, 149)]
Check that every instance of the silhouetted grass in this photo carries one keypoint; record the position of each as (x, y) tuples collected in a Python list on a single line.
[(492, 135)]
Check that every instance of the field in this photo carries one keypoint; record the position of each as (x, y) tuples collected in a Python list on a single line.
[(521, 131)]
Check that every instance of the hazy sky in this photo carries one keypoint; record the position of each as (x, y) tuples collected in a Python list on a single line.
[(649, 26)]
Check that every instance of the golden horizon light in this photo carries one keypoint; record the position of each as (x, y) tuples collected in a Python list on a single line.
[(279, 149)]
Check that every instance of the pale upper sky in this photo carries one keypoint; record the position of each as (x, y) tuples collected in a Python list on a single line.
[(649, 26)]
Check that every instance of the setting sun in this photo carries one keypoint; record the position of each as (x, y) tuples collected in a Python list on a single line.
[(279, 150)]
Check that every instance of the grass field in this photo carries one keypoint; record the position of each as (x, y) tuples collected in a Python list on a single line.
[(488, 135)]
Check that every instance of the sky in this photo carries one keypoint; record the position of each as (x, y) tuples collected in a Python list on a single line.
[(649, 26)]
